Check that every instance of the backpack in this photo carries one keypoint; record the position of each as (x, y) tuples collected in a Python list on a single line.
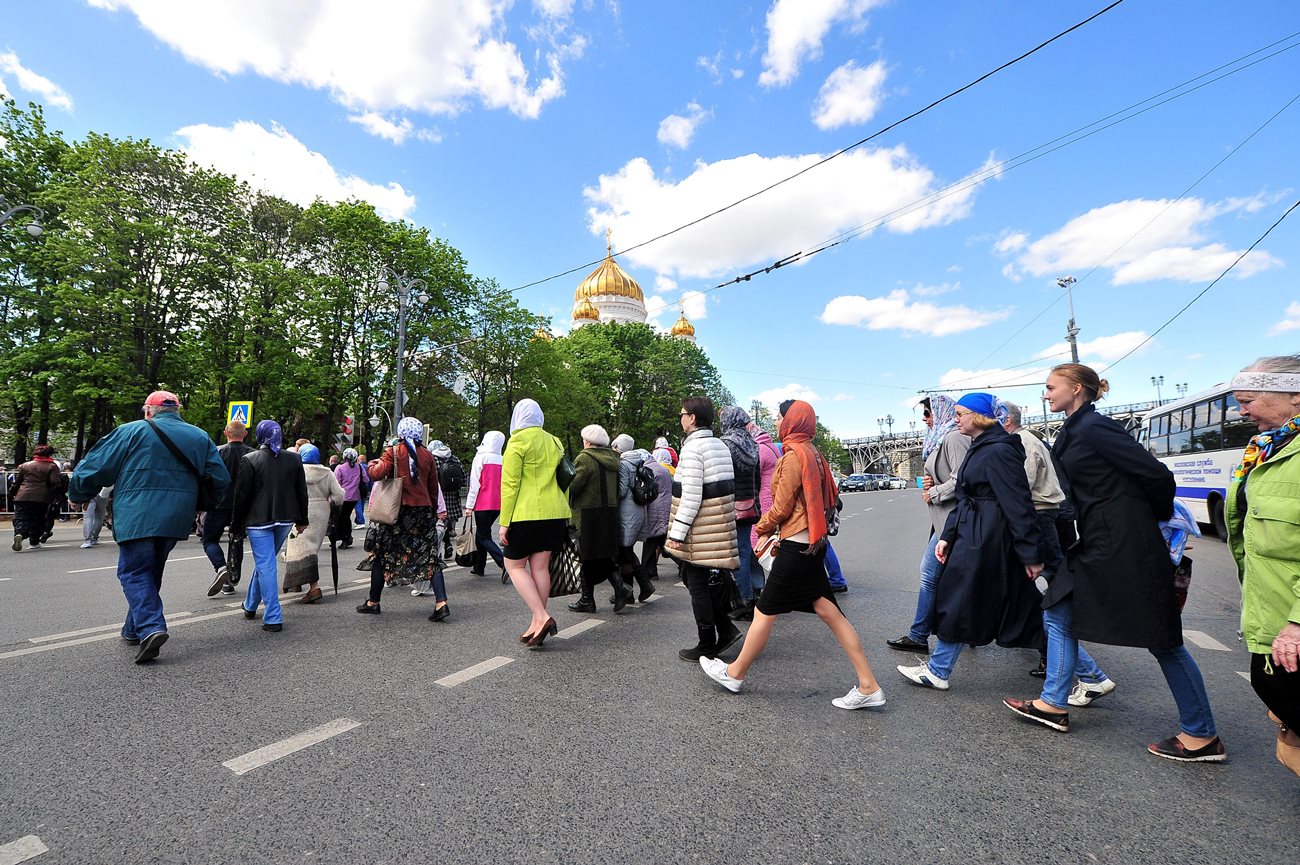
[(451, 473), (645, 488)]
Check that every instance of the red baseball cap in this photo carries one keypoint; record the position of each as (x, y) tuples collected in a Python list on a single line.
[(163, 397)]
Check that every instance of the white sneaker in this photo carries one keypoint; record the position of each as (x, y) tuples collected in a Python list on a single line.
[(922, 676), (716, 669), (855, 699), (87, 545), (1083, 693)]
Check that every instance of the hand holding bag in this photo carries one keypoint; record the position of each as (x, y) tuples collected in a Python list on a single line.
[(766, 550), (386, 496), (464, 543)]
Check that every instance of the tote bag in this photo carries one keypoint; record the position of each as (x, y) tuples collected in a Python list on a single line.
[(464, 543), (566, 569), (385, 502)]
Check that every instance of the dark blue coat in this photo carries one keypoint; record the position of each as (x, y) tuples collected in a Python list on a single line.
[(154, 496), (983, 593), (1119, 571)]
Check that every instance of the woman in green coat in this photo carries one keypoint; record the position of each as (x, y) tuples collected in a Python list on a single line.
[(1263, 512)]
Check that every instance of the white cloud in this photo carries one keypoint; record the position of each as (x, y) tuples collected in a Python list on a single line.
[(433, 56), (1105, 348), (1011, 241), (896, 311), (994, 377), (677, 130), (795, 30), (1141, 240), (275, 161), (33, 82), (668, 303), (1198, 355), (855, 189), (773, 397), (396, 131), (921, 290), (1290, 319), (850, 96)]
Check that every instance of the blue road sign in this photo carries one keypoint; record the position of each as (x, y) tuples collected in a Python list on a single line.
[(239, 411)]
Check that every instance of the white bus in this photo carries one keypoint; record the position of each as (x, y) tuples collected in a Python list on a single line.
[(1200, 438)]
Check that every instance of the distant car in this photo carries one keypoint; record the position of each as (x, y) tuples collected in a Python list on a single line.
[(854, 483), (898, 483)]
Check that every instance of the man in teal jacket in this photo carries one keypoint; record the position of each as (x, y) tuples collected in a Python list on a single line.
[(154, 499)]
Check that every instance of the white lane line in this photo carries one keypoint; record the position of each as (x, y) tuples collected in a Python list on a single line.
[(111, 635), (5, 579), (95, 630), (114, 567), (867, 510), (1245, 676), (575, 630), (1205, 641), (679, 585), (473, 672), (256, 759), (22, 850)]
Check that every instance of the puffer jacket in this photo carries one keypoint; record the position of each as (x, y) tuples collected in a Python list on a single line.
[(658, 511), (631, 516), (704, 504)]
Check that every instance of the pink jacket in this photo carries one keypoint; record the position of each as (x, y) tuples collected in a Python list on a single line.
[(485, 474), (767, 457)]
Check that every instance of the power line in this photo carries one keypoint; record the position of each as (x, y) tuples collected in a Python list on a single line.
[(837, 153), (1202, 292)]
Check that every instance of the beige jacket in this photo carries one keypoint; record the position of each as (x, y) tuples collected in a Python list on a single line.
[(704, 504), (1044, 487)]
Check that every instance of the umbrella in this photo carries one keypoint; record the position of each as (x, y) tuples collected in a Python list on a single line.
[(334, 549), (234, 559)]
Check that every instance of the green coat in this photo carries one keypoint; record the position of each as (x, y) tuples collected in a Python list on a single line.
[(1264, 536), (529, 490)]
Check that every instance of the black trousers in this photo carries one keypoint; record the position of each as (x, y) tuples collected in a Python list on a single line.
[(651, 549), (343, 523), (483, 542), (710, 592), (1279, 690)]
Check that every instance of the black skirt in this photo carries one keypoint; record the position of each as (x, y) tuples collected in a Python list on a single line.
[(528, 537), (796, 581)]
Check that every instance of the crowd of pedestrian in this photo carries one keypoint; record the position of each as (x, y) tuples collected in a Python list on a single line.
[(1028, 546)]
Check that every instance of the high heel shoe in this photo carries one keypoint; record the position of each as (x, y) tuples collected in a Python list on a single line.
[(537, 639)]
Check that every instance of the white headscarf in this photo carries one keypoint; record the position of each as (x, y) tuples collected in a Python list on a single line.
[(492, 442), (527, 413)]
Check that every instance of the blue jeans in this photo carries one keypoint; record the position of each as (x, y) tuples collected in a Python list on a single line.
[(1188, 687), (833, 572), (1066, 659), (744, 574), (944, 658), (140, 566), (484, 545), (930, 569), (214, 525), (361, 510), (263, 586)]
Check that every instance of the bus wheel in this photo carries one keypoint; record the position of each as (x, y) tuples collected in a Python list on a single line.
[(1217, 519)]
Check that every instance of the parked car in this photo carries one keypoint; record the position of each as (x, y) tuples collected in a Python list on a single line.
[(854, 483), (898, 484)]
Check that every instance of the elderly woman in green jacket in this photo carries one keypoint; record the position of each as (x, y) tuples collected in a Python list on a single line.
[(534, 516), (1263, 513)]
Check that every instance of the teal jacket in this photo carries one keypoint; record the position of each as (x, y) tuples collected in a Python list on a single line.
[(1264, 535), (154, 496), (529, 490)]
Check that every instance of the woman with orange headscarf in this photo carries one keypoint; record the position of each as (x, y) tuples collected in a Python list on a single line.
[(804, 499)]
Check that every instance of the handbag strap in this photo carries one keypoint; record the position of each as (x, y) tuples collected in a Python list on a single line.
[(176, 452)]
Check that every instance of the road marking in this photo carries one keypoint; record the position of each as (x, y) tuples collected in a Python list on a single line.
[(22, 850), (114, 567), (679, 585), (1205, 641), (867, 510), (473, 672), (5, 579), (95, 630), (575, 630), (1245, 676), (256, 759)]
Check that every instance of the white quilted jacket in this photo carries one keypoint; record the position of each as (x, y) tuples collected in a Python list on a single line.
[(704, 511)]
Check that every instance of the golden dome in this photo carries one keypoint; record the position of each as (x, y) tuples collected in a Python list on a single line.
[(543, 334), (683, 327), (585, 310), (608, 280)]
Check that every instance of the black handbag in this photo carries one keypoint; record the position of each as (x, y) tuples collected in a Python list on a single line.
[(565, 472), (207, 498)]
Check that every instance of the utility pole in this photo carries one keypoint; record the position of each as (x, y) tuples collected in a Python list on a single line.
[(1072, 330)]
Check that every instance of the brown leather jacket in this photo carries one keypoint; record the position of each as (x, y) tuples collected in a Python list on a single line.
[(39, 481)]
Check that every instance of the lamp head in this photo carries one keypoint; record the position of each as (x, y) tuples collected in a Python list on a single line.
[(374, 421), (34, 229)]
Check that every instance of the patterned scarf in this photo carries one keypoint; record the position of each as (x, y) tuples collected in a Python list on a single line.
[(270, 434), (1264, 445), (411, 432), (943, 416)]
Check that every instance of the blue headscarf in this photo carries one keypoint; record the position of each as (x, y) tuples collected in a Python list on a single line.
[(269, 434), (310, 454), (411, 432), (980, 403)]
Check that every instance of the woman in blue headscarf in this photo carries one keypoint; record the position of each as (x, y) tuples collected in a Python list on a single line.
[(270, 499), (943, 451), (989, 549), (302, 551), (407, 551)]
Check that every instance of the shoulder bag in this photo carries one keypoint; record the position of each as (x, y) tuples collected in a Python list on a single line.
[(564, 470), (464, 543), (386, 498), (207, 497)]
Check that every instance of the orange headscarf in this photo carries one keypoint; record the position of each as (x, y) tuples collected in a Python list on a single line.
[(798, 426)]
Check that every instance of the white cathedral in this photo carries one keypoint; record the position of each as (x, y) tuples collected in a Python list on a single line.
[(609, 294)]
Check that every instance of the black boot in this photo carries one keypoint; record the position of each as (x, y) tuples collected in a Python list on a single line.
[(647, 587), (586, 602), (622, 594), (706, 648)]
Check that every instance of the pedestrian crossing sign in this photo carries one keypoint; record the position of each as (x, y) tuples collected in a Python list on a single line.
[(240, 411)]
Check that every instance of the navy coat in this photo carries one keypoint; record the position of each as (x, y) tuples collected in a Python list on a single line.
[(154, 496), (1119, 572), (983, 593)]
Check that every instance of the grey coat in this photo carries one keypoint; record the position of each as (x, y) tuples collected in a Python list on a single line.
[(631, 516), (942, 465)]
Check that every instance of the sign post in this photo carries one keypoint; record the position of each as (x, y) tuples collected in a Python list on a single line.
[(240, 411)]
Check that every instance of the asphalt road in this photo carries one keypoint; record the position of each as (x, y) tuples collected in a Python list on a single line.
[(604, 746)]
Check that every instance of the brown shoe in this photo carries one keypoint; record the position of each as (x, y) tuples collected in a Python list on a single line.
[(311, 597)]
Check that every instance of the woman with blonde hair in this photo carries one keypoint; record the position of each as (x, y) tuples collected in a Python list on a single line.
[(534, 516)]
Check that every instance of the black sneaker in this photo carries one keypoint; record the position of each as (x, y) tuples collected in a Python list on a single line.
[(905, 643), (275, 628), (694, 653), (369, 609), (149, 647), (18, 543), (219, 579), (727, 640), (227, 589), (1040, 672)]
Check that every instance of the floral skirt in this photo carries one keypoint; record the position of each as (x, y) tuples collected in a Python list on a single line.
[(408, 551)]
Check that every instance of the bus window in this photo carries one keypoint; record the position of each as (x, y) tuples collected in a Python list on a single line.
[(1159, 446), (1180, 442), (1176, 422), (1233, 412), (1238, 435), (1200, 415), (1208, 439), (1161, 425), (1216, 412)]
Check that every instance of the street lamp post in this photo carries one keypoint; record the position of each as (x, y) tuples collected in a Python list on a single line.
[(1181, 388), (1157, 381), (889, 422), (1071, 331), (34, 227), (880, 424), (407, 287)]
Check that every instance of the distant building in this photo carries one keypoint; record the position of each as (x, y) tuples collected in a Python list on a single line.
[(608, 294)]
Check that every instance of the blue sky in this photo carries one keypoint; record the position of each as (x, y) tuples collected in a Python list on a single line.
[(521, 131)]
